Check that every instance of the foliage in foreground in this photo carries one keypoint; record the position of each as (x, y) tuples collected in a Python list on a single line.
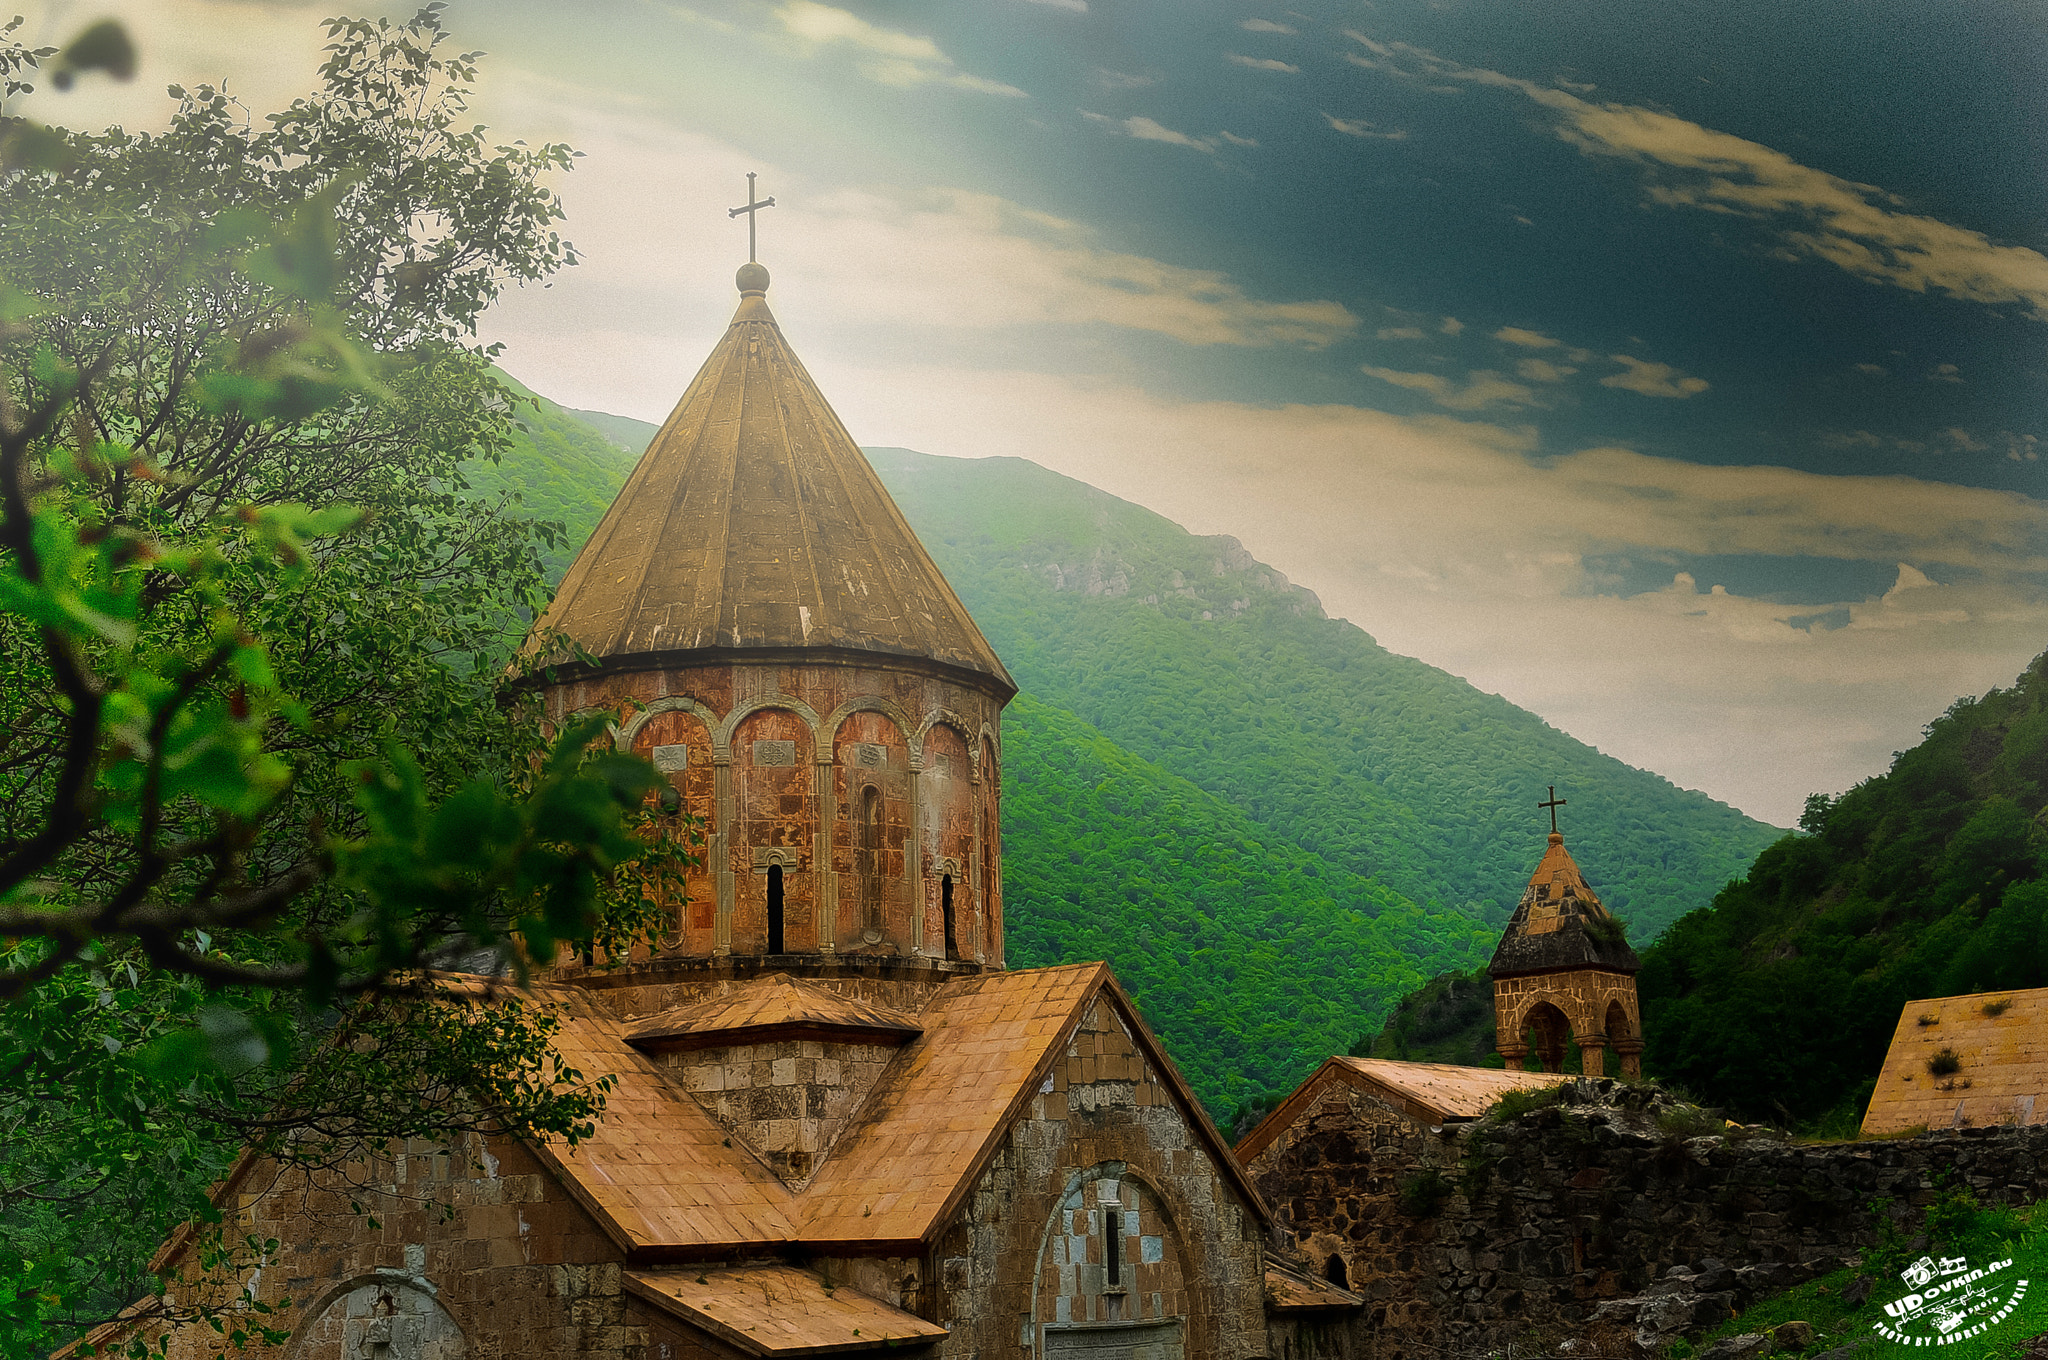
[(254, 775), (1780, 999)]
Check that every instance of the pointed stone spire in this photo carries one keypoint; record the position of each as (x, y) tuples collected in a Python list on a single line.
[(1560, 924), (754, 525)]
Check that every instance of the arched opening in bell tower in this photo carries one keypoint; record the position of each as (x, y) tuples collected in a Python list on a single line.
[(775, 908)]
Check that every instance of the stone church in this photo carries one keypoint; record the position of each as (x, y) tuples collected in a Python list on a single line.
[(840, 1125)]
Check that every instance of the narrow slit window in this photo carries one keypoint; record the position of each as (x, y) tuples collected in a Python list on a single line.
[(871, 857), (1113, 1247), (775, 908), (946, 910)]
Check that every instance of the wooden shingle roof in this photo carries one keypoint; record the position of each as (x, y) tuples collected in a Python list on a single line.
[(1429, 1093), (669, 1184), (753, 524), (776, 1310), (777, 1006), (1560, 924)]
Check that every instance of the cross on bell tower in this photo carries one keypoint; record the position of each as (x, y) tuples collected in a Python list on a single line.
[(1554, 804), (752, 208)]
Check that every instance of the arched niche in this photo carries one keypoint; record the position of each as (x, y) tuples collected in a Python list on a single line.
[(872, 830), (676, 735), (947, 816), (773, 824), (1111, 1278), (383, 1316)]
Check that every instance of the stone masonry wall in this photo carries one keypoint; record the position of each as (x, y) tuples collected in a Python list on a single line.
[(478, 1255), (1479, 1235), (1008, 1266), (789, 1100), (775, 761)]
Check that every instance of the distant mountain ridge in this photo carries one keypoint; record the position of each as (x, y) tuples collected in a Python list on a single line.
[(1273, 827), (1191, 653)]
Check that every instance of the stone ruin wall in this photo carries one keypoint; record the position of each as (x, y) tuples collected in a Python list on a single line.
[(1537, 1222)]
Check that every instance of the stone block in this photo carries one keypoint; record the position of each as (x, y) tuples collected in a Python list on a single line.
[(1748, 1346)]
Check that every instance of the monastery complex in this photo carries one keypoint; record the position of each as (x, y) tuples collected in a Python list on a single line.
[(840, 1125)]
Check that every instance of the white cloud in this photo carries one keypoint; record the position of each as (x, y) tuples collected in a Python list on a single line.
[(1947, 373), (1262, 63), (1542, 370), (1358, 127), (1400, 333), (1266, 26), (1076, 6), (647, 208), (1147, 130), (1653, 380), (893, 58), (1236, 140), (1515, 335), (1875, 370), (1447, 540), (1451, 325), (1479, 390), (1858, 228)]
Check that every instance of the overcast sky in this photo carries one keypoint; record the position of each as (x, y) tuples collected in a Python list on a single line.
[(1677, 371)]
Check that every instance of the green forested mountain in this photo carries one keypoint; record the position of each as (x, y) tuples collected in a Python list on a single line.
[(1234, 799), (1254, 958), (561, 467), (1779, 1000), (1191, 653)]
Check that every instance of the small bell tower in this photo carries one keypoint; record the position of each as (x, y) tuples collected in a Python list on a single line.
[(1564, 971)]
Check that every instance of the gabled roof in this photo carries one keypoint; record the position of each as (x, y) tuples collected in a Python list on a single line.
[(667, 1182), (777, 1006), (780, 1310), (1290, 1289), (1561, 924), (1999, 1041), (1429, 1093), (657, 1171), (753, 524)]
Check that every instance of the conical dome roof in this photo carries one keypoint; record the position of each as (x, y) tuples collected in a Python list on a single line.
[(1560, 924), (753, 524)]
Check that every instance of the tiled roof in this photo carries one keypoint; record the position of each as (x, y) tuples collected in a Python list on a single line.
[(2001, 1076), (669, 1183), (753, 523), (1561, 924), (1430, 1093), (776, 1006), (925, 1130), (1289, 1290), (780, 1310), (657, 1171)]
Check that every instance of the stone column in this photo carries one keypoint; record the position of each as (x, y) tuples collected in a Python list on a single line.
[(1593, 1055), (913, 859), (721, 852), (1631, 1051), (826, 911), (1515, 1055)]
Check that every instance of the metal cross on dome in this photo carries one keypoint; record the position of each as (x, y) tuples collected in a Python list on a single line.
[(752, 210), (1554, 804)]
